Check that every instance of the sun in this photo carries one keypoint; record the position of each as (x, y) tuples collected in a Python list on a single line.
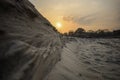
[(58, 24)]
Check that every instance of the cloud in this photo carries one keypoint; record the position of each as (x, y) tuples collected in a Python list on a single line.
[(84, 20), (100, 20), (68, 18), (79, 12)]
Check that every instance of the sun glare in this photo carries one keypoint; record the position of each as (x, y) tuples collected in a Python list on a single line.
[(58, 25)]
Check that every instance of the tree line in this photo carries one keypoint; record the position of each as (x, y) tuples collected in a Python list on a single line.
[(80, 32)]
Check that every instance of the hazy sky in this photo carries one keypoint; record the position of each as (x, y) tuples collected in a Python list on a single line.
[(67, 15)]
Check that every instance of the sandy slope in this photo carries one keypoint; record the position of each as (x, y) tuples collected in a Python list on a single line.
[(88, 59)]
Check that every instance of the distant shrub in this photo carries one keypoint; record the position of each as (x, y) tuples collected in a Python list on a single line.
[(80, 32)]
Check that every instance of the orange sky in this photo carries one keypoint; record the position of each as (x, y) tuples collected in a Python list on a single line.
[(88, 14), (65, 26)]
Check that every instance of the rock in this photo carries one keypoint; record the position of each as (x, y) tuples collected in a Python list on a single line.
[(25, 37)]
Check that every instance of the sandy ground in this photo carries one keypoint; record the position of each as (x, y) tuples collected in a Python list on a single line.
[(88, 59)]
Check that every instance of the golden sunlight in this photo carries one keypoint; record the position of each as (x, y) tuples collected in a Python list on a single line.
[(58, 25)]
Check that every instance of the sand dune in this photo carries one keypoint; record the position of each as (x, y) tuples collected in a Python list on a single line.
[(88, 59)]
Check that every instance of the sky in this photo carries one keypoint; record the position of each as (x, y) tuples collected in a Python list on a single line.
[(68, 15)]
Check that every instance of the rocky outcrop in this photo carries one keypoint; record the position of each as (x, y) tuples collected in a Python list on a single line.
[(29, 45)]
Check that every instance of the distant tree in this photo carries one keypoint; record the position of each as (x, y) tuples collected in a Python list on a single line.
[(80, 30), (100, 31), (65, 34), (105, 33), (71, 33), (116, 33), (90, 31)]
